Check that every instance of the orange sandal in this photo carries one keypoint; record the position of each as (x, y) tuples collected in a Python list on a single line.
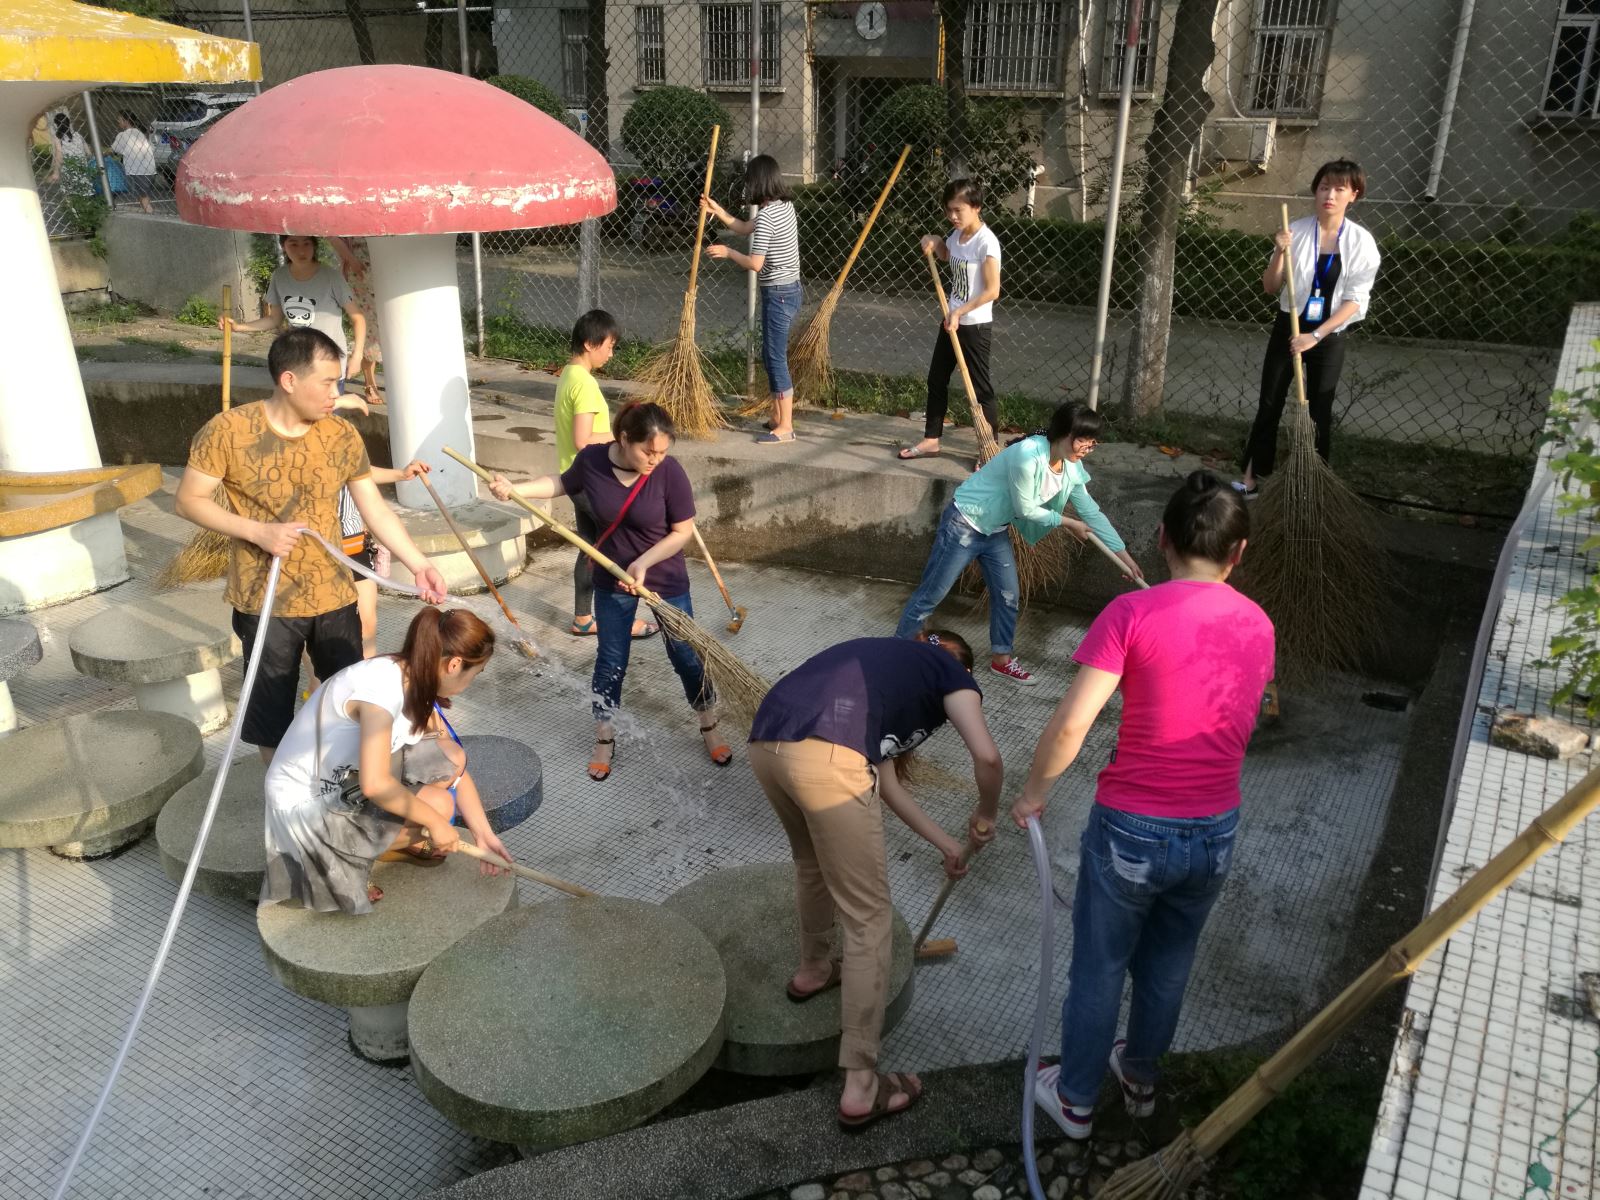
[(599, 771), (720, 754)]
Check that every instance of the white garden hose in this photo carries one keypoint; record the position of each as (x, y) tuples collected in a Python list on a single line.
[(1047, 944)]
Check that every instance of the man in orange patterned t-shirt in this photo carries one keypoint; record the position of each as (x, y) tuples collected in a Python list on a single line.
[(283, 462)]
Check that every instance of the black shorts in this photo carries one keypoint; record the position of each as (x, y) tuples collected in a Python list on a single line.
[(369, 552), (333, 640)]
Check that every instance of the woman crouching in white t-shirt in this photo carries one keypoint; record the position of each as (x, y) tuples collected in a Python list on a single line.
[(370, 765)]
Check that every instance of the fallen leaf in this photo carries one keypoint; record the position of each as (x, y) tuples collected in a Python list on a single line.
[(836, 415), (1170, 451)]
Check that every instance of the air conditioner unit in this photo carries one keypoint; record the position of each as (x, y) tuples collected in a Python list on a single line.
[(1242, 140)]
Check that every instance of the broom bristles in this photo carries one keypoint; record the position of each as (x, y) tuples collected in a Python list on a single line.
[(1164, 1175), (810, 360), (204, 558), (740, 688), (676, 380)]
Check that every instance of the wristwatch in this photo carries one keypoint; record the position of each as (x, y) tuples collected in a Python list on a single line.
[(1316, 335)]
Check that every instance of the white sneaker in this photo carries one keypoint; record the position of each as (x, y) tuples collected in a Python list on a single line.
[(1138, 1098), (1074, 1120)]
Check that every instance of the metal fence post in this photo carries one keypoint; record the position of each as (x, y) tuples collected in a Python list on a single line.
[(588, 264), (94, 142), (755, 148), (249, 35), (477, 239)]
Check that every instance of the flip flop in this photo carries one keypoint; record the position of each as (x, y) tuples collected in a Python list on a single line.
[(583, 628), (889, 1086), (835, 977), (910, 452), (649, 630)]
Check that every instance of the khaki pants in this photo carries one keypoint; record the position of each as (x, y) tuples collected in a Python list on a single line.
[(827, 798)]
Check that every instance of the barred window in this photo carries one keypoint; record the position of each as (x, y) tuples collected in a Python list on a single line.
[(651, 37), (574, 50), (1013, 45), (1144, 63), (725, 44), (1288, 49), (1570, 84)]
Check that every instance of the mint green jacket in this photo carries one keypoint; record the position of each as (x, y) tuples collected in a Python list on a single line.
[(1009, 490)]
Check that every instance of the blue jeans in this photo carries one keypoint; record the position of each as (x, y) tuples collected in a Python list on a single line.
[(1145, 888), (613, 614), (954, 546), (780, 305)]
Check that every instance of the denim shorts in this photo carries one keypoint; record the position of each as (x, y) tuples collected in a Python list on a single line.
[(780, 305)]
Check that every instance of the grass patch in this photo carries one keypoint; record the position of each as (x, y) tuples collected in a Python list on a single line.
[(108, 312), (170, 348)]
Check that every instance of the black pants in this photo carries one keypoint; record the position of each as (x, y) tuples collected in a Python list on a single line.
[(975, 349), (583, 570), (333, 640), (1322, 366)]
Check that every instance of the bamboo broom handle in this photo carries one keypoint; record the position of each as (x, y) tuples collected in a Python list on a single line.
[(1404, 957), (715, 574), (700, 228), (645, 593), (877, 208), (227, 348), (471, 557), (979, 421), (942, 897), (1294, 314), (1094, 540), (561, 885)]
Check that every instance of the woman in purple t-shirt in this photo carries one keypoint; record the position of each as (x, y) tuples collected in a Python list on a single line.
[(644, 507), (1191, 657)]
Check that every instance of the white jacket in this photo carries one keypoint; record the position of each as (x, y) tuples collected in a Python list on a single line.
[(1358, 267)]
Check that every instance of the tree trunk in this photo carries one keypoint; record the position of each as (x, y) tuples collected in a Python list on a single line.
[(596, 62), (1185, 105), (361, 32), (953, 15)]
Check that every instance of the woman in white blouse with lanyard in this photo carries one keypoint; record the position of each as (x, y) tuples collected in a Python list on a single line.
[(1335, 262)]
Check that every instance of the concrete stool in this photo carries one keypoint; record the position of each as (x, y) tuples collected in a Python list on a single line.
[(236, 852), (509, 776), (369, 963), (168, 647), (92, 784), (565, 1021), (496, 535), (19, 650), (748, 913)]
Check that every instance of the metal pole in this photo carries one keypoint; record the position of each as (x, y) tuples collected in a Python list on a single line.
[(755, 148), (94, 141), (1130, 58), (249, 35), (477, 239)]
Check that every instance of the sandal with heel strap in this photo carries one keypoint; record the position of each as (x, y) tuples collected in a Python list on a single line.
[(721, 754), (599, 771)]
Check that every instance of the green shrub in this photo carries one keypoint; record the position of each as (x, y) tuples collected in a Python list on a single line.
[(1000, 143), (197, 310), (524, 87), (667, 125)]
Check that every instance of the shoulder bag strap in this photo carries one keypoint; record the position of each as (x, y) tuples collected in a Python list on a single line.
[(633, 494)]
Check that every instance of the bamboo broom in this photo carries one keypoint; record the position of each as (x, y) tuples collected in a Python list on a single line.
[(942, 947), (810, 362), (524, 646), (1168, 1173), (728, 675), (1314, 562), (207, 553), (676, 377), (549, 881)]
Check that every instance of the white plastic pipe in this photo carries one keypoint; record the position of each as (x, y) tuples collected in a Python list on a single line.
[(424, 362), (1458, 60), (44, 419)]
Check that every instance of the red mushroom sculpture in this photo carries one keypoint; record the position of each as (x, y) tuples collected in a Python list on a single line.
[(408, 157)]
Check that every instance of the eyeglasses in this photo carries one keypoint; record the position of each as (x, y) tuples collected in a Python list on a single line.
[(1084, 445)]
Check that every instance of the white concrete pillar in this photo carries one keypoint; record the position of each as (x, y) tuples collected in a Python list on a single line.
[(378, 1032), (8, 710), (424, 362), (196, 698), (44, 419)]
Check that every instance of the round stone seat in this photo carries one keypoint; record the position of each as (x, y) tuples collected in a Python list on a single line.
[(91, 784), (19, 650), (369, 963), (566, 1021), (496, 535), (748, 914), (168, 647), (509, 776), (235, 857)]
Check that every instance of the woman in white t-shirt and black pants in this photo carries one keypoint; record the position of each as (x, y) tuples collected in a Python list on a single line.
[(973, 253), (775, 258), (138, 158)]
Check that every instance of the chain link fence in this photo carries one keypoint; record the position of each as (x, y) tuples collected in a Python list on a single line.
[(1475, 122)]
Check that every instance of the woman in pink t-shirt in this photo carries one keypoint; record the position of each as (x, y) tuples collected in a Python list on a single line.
[(1192, 658)]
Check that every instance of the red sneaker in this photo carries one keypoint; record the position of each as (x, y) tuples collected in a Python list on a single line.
[(1013, 670)]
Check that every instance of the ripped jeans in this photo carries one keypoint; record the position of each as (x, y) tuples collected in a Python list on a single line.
[(954, 546), (1145, 887)]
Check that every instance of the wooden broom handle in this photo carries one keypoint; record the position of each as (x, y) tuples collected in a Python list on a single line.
[(700, 228), (715, 574), (1294, 312), (1404, 957), (979, 422), (227, 348), (471, 557), (877, 208), (561, 885), (645, 593), (944, 895)]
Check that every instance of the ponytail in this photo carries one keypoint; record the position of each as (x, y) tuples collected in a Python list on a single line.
[(437, 634)]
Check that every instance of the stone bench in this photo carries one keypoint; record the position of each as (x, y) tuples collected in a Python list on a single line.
[(235, 857), (19, 650), (92, 784), (566, 1021), (509, 776), (368, 964), (496, 533), (168, 647), (748, 914)]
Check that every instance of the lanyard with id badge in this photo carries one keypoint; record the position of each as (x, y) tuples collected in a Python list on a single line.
[(1316, 306)]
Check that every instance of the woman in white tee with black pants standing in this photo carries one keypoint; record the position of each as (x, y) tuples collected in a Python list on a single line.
[(1335, 263)]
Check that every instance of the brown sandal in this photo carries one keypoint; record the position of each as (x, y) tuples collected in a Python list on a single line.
[(599, 771), (835, 977), (721, 754), (889, 1086)]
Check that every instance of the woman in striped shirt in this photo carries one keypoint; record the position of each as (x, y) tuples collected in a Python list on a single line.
[(775, 258)]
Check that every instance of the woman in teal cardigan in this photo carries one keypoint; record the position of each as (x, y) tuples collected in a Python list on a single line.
[(1027, 485)]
